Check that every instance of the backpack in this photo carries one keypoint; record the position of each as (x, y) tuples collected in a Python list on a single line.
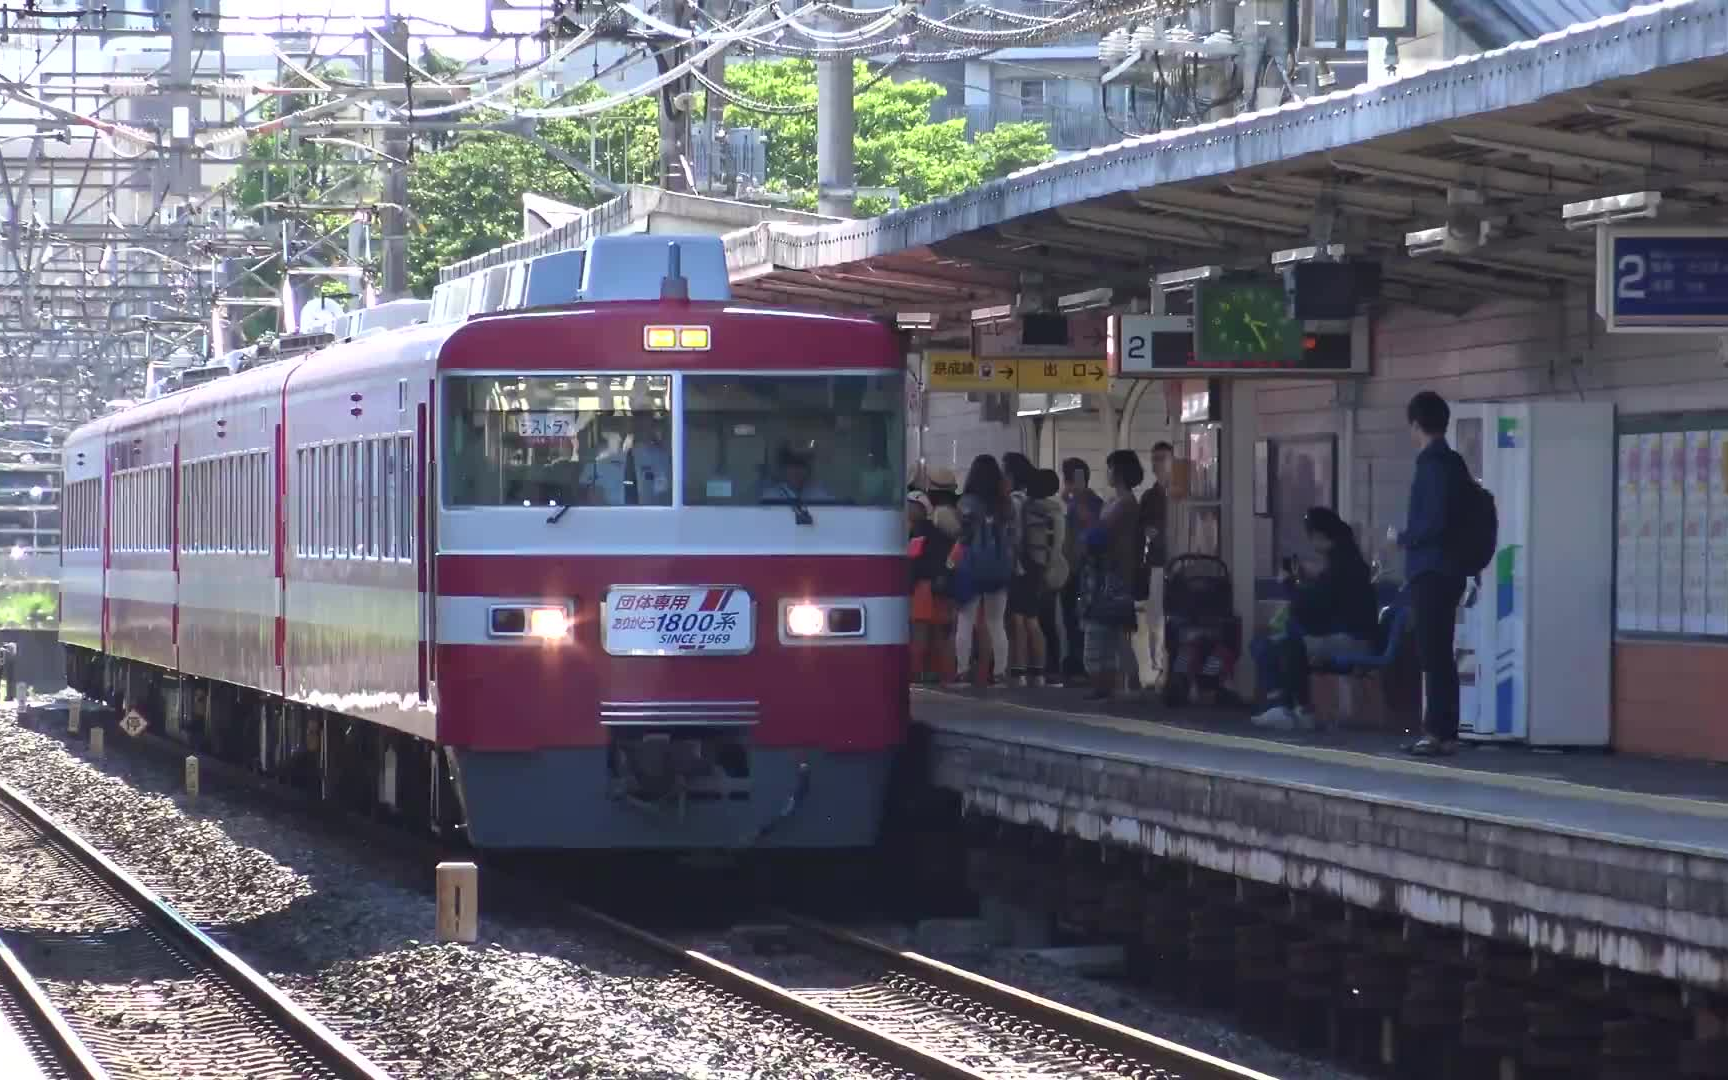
[(1038, 539), (1057, 571), (1475, 529), (986, 564)]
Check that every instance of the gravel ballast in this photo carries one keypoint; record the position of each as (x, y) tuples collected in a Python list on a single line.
[(350, 936), (331, 928)]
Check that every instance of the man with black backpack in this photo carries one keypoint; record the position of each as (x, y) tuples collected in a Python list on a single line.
[(1449, 537)]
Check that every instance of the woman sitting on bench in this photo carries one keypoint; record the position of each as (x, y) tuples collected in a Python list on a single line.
[(1333, 614)]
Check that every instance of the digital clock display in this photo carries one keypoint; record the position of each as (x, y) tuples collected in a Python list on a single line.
[(1245, 325)]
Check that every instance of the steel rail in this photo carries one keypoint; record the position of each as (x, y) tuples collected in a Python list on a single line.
[(1117, 1038), (322, 1044), (892, 1051), (47, 1026)]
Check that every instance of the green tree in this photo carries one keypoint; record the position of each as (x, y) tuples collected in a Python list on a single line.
[(467, 199), (465, 195), (897, 144)]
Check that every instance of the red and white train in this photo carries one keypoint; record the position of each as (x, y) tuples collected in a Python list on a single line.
[(621, 572)]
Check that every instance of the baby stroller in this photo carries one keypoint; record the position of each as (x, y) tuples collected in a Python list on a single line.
[(1202, 634)]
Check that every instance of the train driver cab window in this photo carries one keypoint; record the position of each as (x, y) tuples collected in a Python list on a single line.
[(559, 440), (777, 440)]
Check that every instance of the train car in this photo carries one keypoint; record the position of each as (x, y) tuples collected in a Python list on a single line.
[(621, 573)]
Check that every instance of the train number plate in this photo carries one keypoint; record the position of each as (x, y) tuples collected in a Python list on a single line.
[(658, 620)]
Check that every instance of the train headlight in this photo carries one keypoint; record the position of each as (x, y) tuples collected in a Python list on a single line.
[(824, 619), (806, 620), (543, 622), (548, 623)]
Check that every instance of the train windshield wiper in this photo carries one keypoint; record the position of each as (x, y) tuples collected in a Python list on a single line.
[(558, 515)]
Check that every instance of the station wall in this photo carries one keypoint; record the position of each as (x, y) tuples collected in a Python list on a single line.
[(1666, 686), (954, 433)]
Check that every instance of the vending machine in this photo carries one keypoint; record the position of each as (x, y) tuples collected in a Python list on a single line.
[(1535, 635)]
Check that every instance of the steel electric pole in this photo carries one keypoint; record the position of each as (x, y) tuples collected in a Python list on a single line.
[(393, 215)]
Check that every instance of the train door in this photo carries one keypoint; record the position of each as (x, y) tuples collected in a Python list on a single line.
[(420, 539), (279, 541), (107, 501)]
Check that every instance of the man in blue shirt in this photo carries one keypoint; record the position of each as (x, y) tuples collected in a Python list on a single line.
[(1434, 581)]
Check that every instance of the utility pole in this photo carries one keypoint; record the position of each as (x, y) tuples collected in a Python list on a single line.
[(721, 172), (836, 173), (181, 168), (393, 214), (675, 107)]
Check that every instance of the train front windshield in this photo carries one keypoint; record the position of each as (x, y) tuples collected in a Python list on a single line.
[(589, 439)]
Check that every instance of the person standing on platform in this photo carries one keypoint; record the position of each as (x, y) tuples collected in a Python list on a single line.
[(1434, 579), (1045, 524), (983, 564), (1113, 547), (1149, 654), (1084, 506), (1030, 558)]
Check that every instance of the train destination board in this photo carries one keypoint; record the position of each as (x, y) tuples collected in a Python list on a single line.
[(1662, 279)]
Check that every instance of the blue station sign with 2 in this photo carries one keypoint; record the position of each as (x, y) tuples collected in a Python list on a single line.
[(1662, 279)]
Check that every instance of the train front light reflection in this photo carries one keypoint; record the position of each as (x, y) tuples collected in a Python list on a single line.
[(806, 620), (548, 623)]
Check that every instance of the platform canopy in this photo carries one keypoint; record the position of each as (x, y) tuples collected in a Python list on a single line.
[(1479, 156)]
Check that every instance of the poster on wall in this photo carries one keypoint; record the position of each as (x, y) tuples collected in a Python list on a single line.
[(1672, 552), (1626, 516), (1693, 534), (1716, 537), (1304, 475), (1649, 533)]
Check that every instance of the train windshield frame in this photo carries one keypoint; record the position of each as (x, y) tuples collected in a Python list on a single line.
[(583, 438), (776, 439), (654, 440)]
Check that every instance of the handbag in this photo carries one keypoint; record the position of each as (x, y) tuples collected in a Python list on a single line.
[(1108, 598)]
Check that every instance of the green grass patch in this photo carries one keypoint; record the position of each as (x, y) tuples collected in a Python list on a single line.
[(27, 608)]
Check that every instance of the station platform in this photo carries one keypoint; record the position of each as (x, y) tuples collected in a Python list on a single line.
[(1602, 857)]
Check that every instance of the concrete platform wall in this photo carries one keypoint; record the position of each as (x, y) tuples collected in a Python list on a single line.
[(1653, 911)]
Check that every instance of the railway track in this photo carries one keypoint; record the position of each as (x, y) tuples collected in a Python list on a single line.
[(904, 1014), (146, 994), (36, 1043), (935, 1021)]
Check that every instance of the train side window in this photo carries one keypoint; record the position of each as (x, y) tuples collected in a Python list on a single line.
[(265, 491), (357, 467), (369, 497), (324, 523), (344, 495), (190, 522), (387, 497), (407, 505), (303, 502), (246, 497), (206, 506), (259, 493), (241, 515)]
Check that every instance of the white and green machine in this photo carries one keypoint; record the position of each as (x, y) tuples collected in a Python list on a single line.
[(1535, 638)]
